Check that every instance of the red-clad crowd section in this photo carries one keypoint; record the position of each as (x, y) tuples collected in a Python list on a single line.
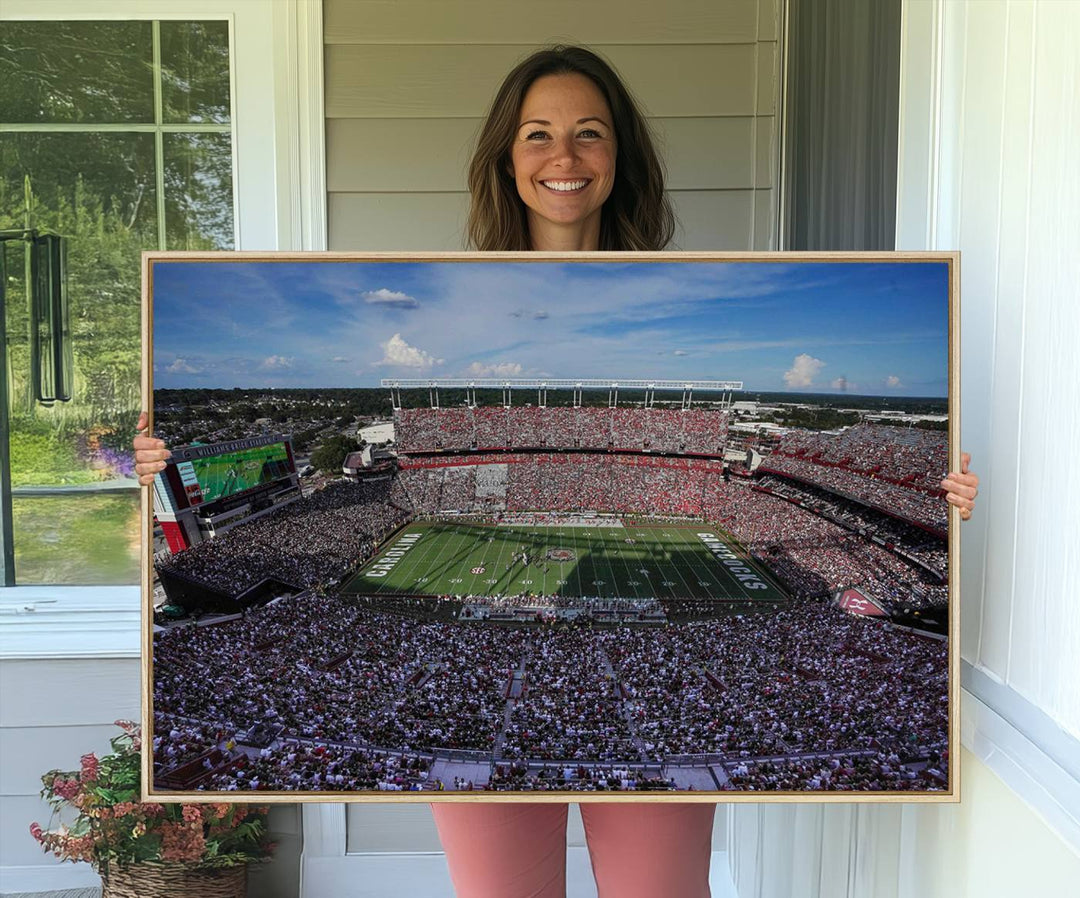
[(683, 431)]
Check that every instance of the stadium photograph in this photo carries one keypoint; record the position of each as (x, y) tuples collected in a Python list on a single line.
[(461, 526)]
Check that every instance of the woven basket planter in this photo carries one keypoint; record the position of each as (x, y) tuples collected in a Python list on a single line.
[(174, 881)]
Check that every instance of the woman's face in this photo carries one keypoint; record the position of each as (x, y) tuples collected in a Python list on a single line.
[(563, 160)]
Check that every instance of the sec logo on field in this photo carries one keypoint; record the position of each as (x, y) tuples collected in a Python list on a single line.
[(477, 570)]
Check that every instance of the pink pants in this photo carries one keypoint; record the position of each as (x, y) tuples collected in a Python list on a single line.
[(518, 850)]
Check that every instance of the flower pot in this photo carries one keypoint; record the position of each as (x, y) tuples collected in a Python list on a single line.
[(174, 881)]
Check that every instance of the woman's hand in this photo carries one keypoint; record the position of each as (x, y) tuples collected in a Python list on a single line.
[(150, 453), (961, 489)]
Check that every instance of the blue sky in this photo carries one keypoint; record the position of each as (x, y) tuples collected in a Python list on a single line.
[(862, 328)]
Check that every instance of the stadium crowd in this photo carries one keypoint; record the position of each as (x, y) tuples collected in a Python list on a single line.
[(570, 708), (916, 543), (873, 772), (522, 777), (815, 556), (895, 469), (907, 455), (308, 542), (363, 688), (692, 431), (622, 484), (295, 766)]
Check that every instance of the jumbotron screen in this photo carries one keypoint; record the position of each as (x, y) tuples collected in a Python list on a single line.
[(220, 476)]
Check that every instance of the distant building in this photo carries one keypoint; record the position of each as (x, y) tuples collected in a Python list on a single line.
[(371, 461)]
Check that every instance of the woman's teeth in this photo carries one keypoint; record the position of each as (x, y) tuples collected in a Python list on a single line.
[(564, 186)]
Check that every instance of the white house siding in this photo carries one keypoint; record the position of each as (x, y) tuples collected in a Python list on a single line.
[(989, 138), (991, 845), (54, 711), (408, 83)]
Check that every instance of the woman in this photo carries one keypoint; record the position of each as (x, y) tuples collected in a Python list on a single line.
[(565, 163)]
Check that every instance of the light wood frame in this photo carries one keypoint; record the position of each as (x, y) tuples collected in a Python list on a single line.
[(323, 813)]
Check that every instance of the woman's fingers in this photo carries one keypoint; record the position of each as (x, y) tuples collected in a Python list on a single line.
[(965, 485), (150, 453), (965, 505), (962, 487)]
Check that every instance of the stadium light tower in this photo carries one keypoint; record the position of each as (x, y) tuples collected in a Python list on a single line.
[(507, 385)]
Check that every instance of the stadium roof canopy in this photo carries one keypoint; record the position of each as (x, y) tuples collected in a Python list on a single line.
[(554, 383)]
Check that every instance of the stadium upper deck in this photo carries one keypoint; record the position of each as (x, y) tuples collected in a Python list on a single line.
[(684, 431), (893, 469)]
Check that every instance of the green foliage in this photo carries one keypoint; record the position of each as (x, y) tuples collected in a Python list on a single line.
[(330, 456), (113, 827), (38, 458), (815, 418), (77, 539)]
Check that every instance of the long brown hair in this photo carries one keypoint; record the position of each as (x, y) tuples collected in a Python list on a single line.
[(637, 214)]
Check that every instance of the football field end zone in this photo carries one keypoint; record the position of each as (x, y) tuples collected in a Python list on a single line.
[(388, 541), (736, 545), (687, 554)]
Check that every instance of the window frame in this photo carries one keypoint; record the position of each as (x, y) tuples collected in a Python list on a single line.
[(276, 93)]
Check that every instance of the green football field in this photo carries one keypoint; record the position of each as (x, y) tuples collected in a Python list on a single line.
[(636, 560)]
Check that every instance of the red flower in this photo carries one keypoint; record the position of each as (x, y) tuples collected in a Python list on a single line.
[(65, 788), (89, 767), (36, 831), (123, 808), (192, 814), (181, 842)]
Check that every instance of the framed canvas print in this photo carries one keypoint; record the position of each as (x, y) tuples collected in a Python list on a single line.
[(607, 526)]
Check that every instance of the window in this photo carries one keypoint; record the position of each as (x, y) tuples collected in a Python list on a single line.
[(118, 136)]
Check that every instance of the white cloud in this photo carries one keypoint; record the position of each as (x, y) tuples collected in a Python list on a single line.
[(892, 381), (384, 297), (680, 352), (534, 314), (802, 371), (400, 354), (339, 359), (181, 366), (278, 361), (498, 369)]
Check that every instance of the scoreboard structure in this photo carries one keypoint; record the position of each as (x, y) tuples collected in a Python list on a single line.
[(208, 489)]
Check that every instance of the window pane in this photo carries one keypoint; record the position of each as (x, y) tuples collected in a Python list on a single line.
[(76, 72), (80, 183), (195, 71), (98, 191), (80, 540), (198, 191)]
